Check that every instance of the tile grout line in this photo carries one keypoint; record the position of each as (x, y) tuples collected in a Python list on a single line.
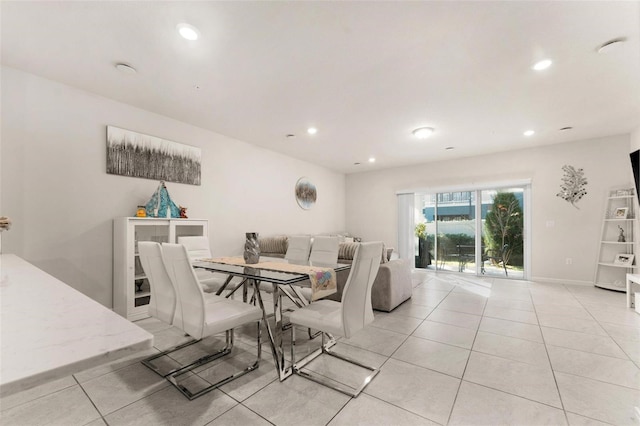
[(546, 350), (464, 370), (91, 401), (391, 355)]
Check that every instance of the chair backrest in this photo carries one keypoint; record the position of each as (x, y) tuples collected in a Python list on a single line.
[(324, 250), (298, 249), (163, 301), (356, 296), (190, 314), (197, 247)]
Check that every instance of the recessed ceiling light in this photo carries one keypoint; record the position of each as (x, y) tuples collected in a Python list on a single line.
[(372, 160), (356, 164), (608, 46), (566, 128), (290, 135), (529, 133), (127, 69), (312, 130), (449, 148), (542, 65), (188, 31), (423, 132)]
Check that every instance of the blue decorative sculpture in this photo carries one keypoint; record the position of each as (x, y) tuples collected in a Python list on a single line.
[(161, 205)]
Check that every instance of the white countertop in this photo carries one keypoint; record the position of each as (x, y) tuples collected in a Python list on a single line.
[(49, 330)]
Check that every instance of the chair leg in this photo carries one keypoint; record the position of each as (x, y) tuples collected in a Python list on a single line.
[(148, 362), (293, 345), (193, 364), (173, 378), (323, 380), (313, 335)]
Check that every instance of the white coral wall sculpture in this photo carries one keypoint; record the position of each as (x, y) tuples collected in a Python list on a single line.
[(573, 186)]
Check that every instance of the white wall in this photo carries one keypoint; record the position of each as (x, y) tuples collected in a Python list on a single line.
[(635, 140), (62, 202), (372, 205)]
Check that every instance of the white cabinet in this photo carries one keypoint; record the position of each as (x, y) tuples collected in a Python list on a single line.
[(131, 292), (619, 230)]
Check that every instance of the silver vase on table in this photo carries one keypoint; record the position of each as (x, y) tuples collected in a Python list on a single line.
[(251, 248)]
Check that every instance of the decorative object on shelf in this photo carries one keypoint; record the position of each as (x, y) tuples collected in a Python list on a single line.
[(622, 192), (621, 238), (141, 211), (161, 205), (624, 259), (620, 213), (183, 212), (138, 155), (573, 185), (5, 223), (306, 193), (251, 248)]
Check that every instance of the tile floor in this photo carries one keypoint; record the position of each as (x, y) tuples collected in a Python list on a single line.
[(463, 350)]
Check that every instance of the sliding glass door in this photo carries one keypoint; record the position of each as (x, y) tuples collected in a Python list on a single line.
[(503, 232), (479, 232)]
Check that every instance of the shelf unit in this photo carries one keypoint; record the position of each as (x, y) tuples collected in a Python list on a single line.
[(611, 275), (131, 291)]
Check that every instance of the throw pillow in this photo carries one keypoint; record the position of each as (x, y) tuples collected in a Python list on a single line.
[(383, 255), (347, 250), (273, 244)]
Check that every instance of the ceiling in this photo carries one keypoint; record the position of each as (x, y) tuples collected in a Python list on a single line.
[(364, 73)]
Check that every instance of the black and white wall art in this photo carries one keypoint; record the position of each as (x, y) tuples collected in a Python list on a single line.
[(135, 154)]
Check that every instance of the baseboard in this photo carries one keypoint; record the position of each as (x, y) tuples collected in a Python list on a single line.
[(561, 281)]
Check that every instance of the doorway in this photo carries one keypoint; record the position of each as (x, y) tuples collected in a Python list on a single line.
[(480, 232)]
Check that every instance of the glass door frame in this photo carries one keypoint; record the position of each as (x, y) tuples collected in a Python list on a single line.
[(525, 184)]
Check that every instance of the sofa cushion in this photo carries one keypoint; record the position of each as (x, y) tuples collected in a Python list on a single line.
[(347, 250), (276, 244)]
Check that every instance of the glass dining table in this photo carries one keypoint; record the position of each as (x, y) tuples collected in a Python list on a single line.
[(283, 283)]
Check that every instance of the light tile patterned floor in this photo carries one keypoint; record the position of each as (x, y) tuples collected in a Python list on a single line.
[(462, 351)]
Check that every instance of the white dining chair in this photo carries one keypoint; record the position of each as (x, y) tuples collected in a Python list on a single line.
[(298, 248), (163, 301), (198, 248), (341, 318), (201, 315), (324, 250)]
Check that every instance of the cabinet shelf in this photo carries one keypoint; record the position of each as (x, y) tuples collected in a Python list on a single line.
[(614, 265), (127, 270), (617, 242), (139, 294), (611, 286), (621, 197)]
